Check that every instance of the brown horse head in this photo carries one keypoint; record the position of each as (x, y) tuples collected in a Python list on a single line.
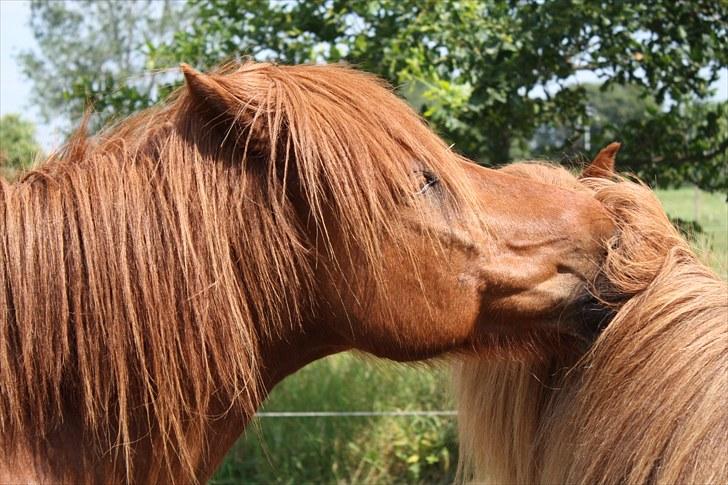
[(411, 251), (174, 268), (645, 403)]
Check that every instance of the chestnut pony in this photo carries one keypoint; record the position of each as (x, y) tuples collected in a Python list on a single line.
[(158, 280), (647, 402)]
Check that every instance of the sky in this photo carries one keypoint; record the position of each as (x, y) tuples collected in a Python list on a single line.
[(15, 93)]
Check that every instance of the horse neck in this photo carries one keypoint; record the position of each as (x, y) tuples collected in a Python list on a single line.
[(39, 220), (646, 404), (67, 455)]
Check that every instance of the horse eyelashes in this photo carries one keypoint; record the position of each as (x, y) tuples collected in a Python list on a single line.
[(430, 180)]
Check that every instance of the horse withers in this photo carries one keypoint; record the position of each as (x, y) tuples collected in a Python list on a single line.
[(157, 280)]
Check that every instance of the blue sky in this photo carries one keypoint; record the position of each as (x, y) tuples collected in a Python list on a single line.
[(15, 35)]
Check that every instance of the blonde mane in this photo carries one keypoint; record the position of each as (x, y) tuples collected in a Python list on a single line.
[(645, 404), (141, 269)]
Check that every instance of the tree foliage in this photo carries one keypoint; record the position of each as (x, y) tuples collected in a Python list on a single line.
[(18, 147), (489, 73), (91, 53), (688, 143), (665, 148)]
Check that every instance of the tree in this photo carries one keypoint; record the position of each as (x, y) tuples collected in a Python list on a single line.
[(493, 71), (662, 147), (608, 109), (687, 143), (669, 149), (487, 73), (18, 147), (92, 53)]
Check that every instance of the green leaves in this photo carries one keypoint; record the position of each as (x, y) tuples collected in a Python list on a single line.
[(94, 53), (18, 148), (488, 74)]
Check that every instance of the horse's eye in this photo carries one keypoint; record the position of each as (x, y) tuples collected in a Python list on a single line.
[(429, 180)]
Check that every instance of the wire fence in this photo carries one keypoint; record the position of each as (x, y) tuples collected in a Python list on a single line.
[(336, 414)]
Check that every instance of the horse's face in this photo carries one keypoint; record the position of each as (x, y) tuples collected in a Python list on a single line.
[(516, 271), (399, 264)]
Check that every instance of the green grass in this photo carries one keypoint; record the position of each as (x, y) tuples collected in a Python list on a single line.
[(351, 449), (712, 215), (386, 450)]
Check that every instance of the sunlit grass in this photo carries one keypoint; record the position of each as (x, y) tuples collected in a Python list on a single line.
[(351, 449), (711, 212)]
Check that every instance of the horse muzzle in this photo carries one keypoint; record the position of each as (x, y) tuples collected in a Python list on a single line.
[(587, 316)]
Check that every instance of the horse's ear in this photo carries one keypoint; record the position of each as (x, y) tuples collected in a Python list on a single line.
[(213, 97), (209, 92), (603, 164)]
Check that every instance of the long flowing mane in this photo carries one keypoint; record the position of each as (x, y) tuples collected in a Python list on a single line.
[(645, 404), (140, 269)]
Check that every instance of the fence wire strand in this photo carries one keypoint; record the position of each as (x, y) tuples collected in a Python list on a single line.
[(337, 414)]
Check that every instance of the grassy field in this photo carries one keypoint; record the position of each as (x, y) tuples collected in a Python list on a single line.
[(711, 212), (351, 449)]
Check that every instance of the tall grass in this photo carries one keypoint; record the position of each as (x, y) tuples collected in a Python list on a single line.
[(378, 450), (712, 216)]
